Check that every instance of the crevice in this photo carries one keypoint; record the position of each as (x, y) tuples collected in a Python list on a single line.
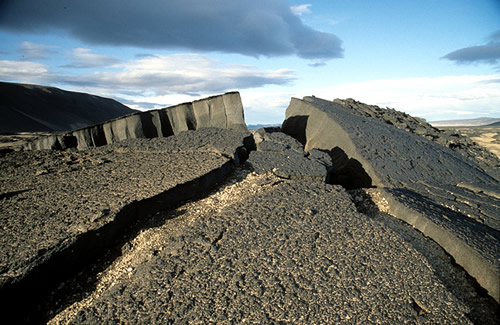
[(11, 194), (216, 240), (419, 308), (296, 126), (190, 117), (346, 171), (33, 298), (484, 309)]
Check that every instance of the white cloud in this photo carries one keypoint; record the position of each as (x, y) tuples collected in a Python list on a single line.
[(301, 9), (174, 76), (434, 98), (32, 51), (84, 58), (172, 79), (21, 71), (155, 101), (182, 74)]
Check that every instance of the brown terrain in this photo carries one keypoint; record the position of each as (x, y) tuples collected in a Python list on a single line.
[(485, 136)]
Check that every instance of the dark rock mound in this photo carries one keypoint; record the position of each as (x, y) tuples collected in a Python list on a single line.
[(426, 183), (448, 137), (31, 108), (294, 252)]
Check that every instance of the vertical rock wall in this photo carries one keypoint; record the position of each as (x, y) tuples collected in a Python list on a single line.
[(222, 111)]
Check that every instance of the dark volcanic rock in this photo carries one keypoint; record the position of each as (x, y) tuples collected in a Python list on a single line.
[(223, 111), (293, 252), (61, 209), (447, 138), (31, 108), (284, 156), (101, 234), (427, 184)]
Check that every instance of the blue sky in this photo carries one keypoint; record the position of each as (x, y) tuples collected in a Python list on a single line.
[(433, 59)]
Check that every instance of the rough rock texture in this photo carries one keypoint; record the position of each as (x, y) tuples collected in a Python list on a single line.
[(443, 194), (114, 233), (61, 209), (284, 156), (223, 111), (279, 251), (31, 108), (447, 137)]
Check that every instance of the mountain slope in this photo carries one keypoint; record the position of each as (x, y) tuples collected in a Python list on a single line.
[(33, 108), (482, 121), (496, 124)]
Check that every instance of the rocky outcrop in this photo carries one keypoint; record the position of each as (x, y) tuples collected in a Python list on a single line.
[(223, 111), (427, 184), (126, 231), (446, 137), (32, 108), (62, 210)]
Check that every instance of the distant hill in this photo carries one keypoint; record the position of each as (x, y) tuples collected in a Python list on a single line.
[(33, 108), (258, 126), (496, 124), (482, 121)]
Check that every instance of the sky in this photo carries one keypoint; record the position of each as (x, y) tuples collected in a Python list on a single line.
[(435, 59)]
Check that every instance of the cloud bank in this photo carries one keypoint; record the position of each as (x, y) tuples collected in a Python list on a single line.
[(433, 98), (254, 28), (156, 75), (488, 53)]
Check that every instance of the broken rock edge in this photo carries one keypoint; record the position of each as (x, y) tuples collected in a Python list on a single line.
[(23, 294), (486, 274)]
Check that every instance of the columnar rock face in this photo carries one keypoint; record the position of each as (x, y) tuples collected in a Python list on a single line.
[(223, 111), (439, 191)]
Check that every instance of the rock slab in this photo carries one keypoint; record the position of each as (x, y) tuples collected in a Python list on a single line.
[(62, 209), (427, 184), (222, 111), (294, 251), (282, 155)]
